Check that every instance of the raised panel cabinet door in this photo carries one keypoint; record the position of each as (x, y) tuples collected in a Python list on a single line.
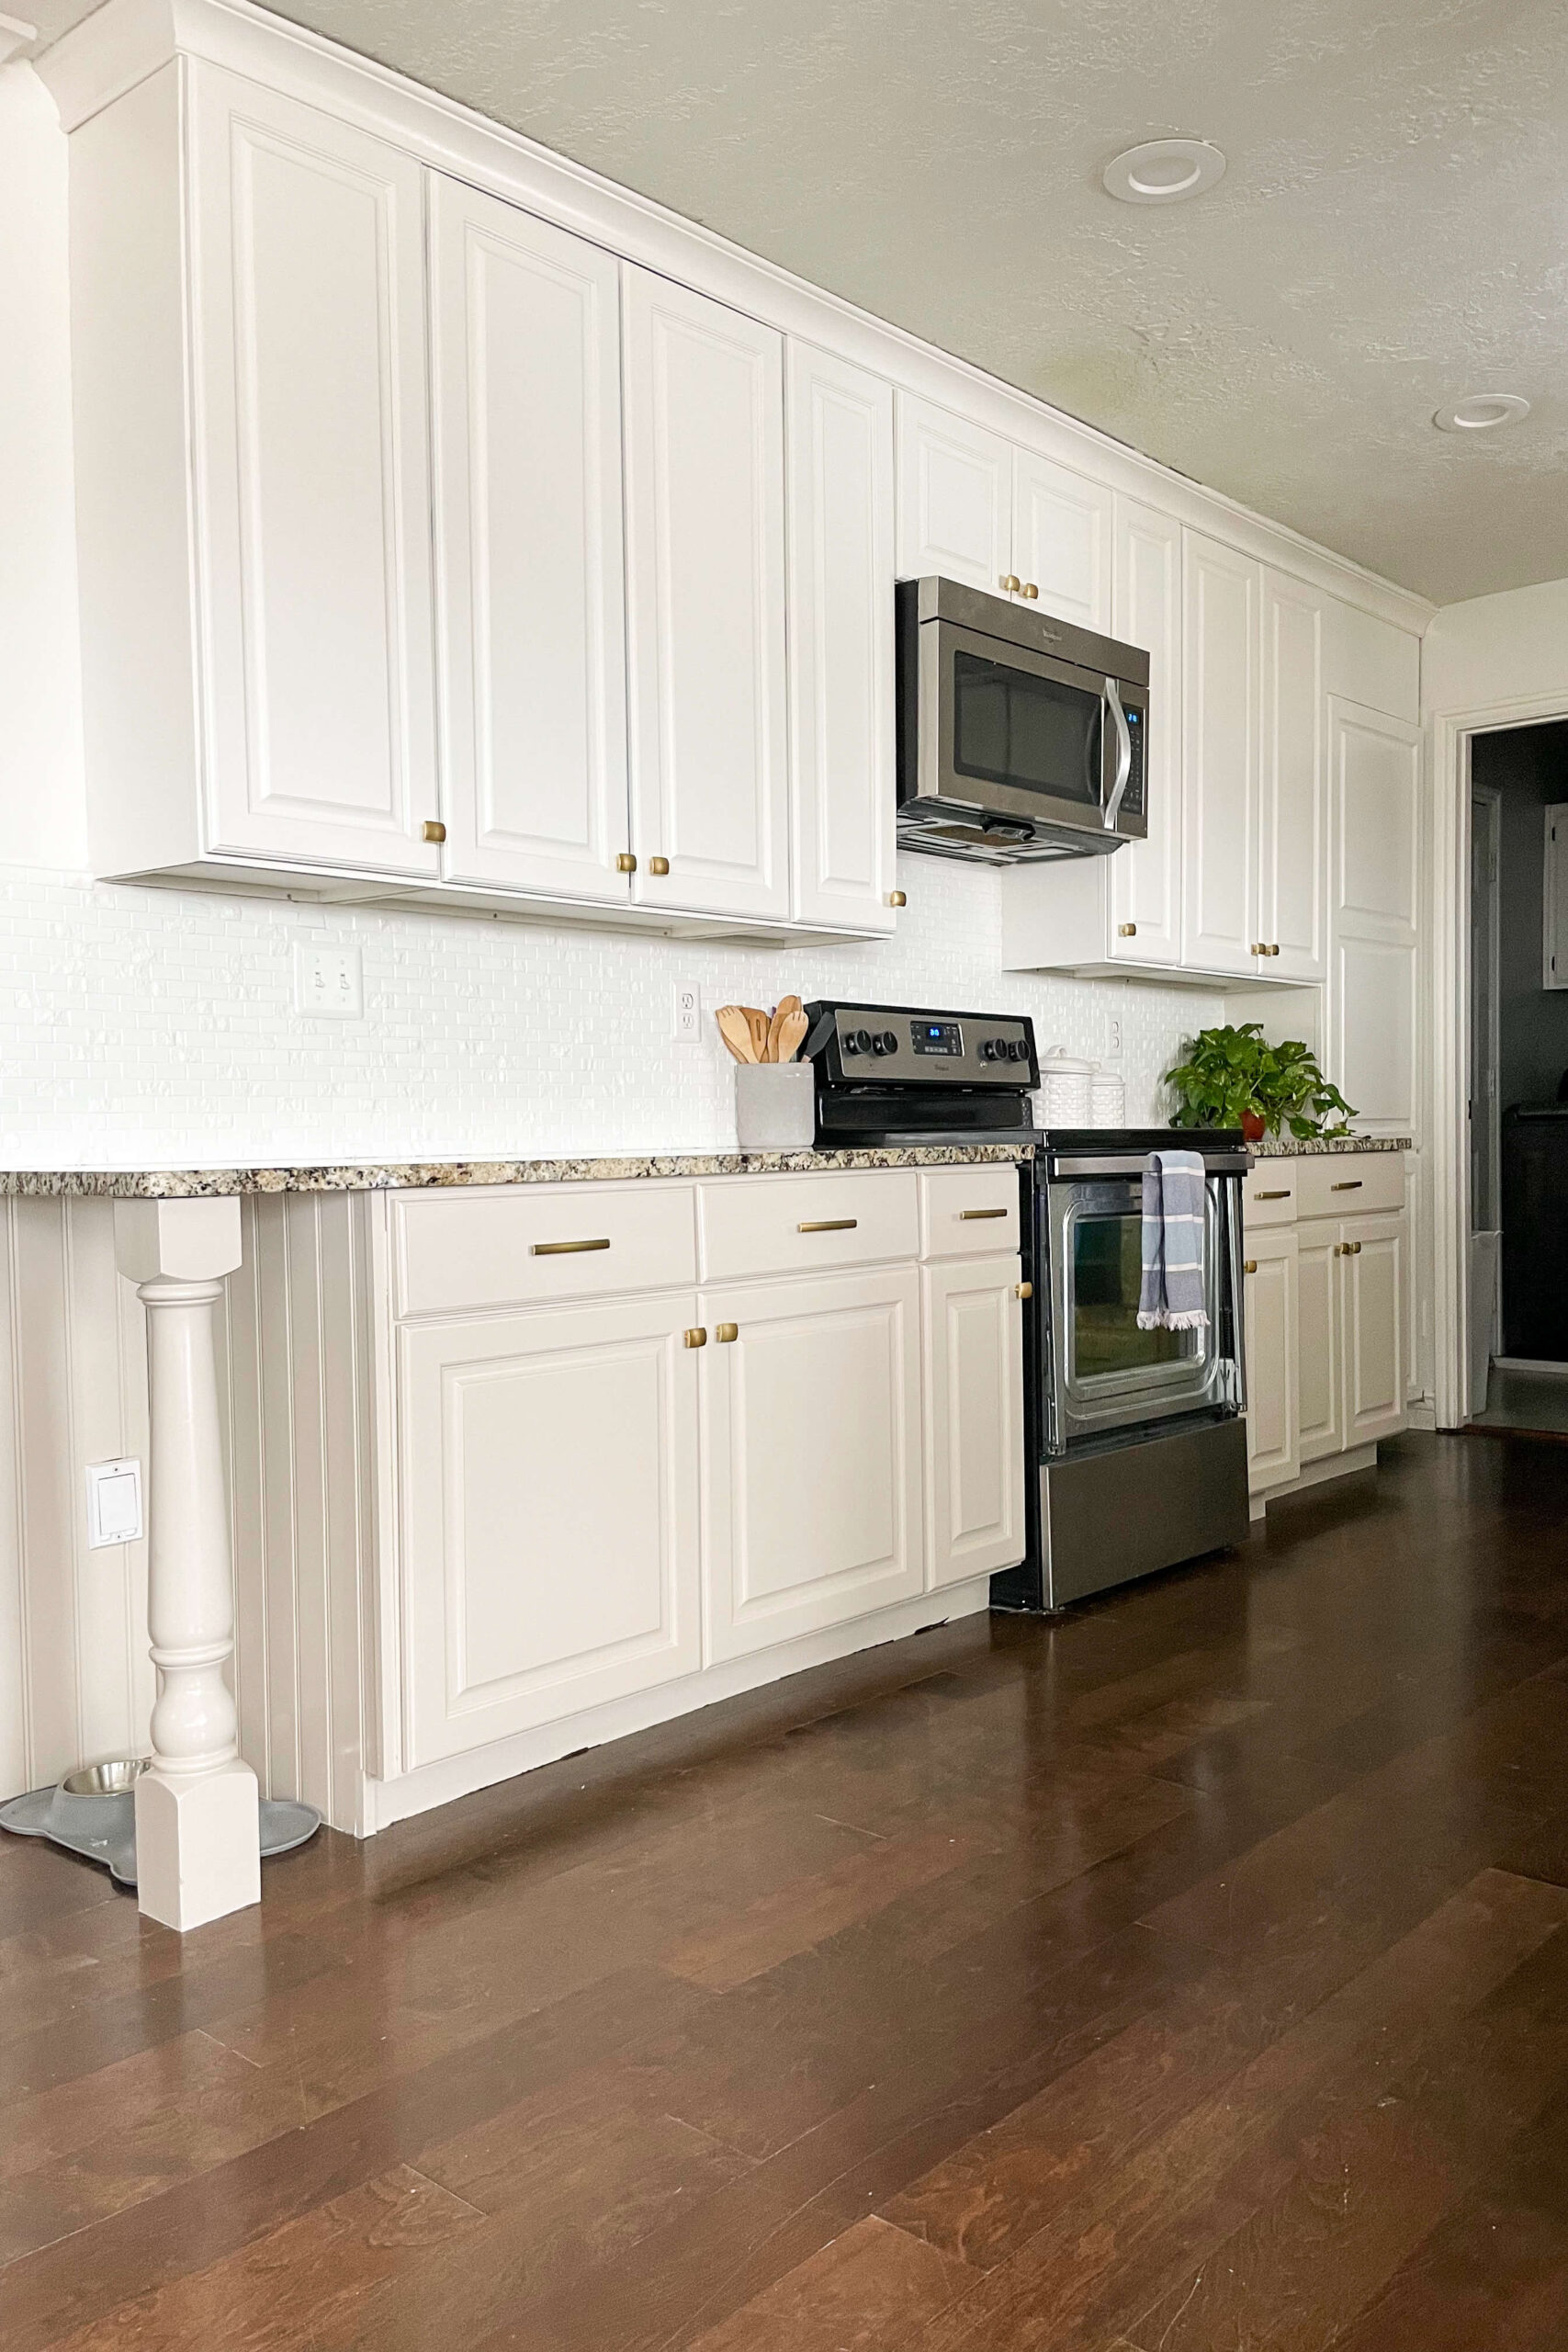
[(1292, 914), (1220, 732), (1272, 1313), (1372, 1272), (1375, 784), (1145, 877), (547, 1515), (530, 576), (974, 1418), (313, 484), (1320, 1387), (954, 498), (842, 715), (1061, 542), (811, 1454), (705, 569)]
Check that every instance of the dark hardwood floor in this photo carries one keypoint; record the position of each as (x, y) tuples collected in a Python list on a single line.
[(1187, 1975)]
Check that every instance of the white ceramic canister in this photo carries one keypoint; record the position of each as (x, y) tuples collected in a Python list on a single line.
[(1065, 1098), (1107, 1100)]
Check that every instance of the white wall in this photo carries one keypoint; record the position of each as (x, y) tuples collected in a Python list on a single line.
[(1497, 649)]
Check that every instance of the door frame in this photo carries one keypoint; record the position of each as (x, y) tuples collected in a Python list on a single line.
[(1491, 795), (1449, 738)]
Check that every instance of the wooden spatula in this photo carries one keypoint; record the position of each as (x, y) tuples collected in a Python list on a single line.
[(735, 1029), (759, 1021), (791, 1034), (786, 1006)]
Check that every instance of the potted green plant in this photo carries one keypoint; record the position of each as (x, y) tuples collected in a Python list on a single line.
[(1233, 1077)]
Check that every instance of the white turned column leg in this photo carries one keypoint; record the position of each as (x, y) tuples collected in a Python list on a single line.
[(198, 1824)]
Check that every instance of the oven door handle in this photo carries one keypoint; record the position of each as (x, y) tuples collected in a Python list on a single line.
[(1215, 1164), (1124, 754)]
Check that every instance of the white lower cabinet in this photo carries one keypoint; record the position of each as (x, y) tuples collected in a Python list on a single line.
[(546, 1466), (1326, 1313), (811, 1453), (974, 1404), (1271, 1323)]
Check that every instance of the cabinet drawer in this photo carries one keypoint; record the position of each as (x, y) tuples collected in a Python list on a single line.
[(527, 1244), (1269, 1196), (790, 1224), (1347, 1184), (968, 1212)]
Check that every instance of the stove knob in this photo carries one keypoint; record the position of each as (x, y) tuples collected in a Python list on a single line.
[(860, 1041), (879, 1043), (987, 1049), (889, 1041), (1015, 1049)]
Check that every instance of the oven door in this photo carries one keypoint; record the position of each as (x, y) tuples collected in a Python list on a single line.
[(1103, 1375), (1020, 734)]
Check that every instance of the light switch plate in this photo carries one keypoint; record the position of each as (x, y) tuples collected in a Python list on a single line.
[(329, 981), (113, 1503)]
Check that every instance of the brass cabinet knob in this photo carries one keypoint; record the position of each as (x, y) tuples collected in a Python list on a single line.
[(897, 898), (697, 1338), (1126, 931), (1030, 589), (1249, 1265), (1025, 1290), (435, 830), (626, 863), (1012, 583), (724, 1332), (1274, 950), (659, 865), (1355, 1248), (1258, 948)]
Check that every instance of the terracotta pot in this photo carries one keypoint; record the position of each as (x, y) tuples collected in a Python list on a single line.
[(1253, 1126)]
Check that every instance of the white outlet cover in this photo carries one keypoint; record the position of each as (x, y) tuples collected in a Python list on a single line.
[(328, 982), (113, 1503), (687, 1013)]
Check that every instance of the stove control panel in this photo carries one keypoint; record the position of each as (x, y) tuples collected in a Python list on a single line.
[(878, 1044)]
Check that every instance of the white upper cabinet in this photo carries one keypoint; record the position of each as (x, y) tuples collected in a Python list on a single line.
[(954, 497), (1375, 773), (1294, 828), (842, 734), (1143, 883), (309, 387), (1061, 542), (705, 562), (1220, 713), (527, 375)]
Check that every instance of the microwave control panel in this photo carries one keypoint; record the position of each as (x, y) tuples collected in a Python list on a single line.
[(1137, 731)]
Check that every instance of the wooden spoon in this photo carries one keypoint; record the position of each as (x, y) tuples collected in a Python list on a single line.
[(735, 1029), (791, 1034), (759, 1021), (786, 1006)]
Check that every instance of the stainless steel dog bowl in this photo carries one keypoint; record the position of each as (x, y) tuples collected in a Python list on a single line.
[(106, 1779)]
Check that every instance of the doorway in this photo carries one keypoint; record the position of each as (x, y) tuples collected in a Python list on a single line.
[(1516, 1234)]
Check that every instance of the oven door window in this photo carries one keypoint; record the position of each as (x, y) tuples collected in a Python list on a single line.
[(1107, 1276), (1103, 1374), (1034, 734)]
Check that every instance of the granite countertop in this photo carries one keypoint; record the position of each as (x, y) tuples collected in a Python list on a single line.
[(397, 1176), (1319, 1146)]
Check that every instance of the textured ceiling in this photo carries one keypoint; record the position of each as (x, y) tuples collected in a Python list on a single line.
[(1392, 233)]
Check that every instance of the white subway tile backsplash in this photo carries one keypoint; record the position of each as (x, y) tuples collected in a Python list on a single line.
[(158, 1027)]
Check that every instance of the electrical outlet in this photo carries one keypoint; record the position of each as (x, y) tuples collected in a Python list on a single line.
[(329, 981), (1113, 1049), (686, 1018)]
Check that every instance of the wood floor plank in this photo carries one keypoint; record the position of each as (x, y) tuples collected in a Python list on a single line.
[(868, 2290)]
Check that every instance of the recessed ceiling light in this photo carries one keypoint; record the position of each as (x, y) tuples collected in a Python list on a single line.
[(1162, 171), (1480, 412)]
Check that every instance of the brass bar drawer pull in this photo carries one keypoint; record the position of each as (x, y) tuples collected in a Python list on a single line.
[(695, 1339), (724, 1332), (966, 1216), (829, 1225), (1249, 1265), (1351, 1184), (563, 1248), (1273, 1196)]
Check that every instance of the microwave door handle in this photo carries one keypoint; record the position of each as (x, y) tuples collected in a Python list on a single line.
[(1124, 755)]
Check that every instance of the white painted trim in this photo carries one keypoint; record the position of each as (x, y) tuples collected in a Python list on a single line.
[(124, 41), (1317, 1473), (1449, 734), (1544, 1366), (1491, 794), (459, 1776)]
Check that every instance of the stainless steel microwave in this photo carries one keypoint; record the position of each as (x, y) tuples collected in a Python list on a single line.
[(1020, 737)]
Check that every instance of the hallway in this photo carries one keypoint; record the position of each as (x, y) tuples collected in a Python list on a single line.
[(1190, 1971)]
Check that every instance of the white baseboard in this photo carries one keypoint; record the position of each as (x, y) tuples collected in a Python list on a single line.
[(384, 1802), (1547, 1368), (1316, 1473)]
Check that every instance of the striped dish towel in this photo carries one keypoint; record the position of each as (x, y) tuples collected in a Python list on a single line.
[(1171, 1298)]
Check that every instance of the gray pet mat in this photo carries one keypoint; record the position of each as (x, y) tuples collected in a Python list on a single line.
[(104, 1828)]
